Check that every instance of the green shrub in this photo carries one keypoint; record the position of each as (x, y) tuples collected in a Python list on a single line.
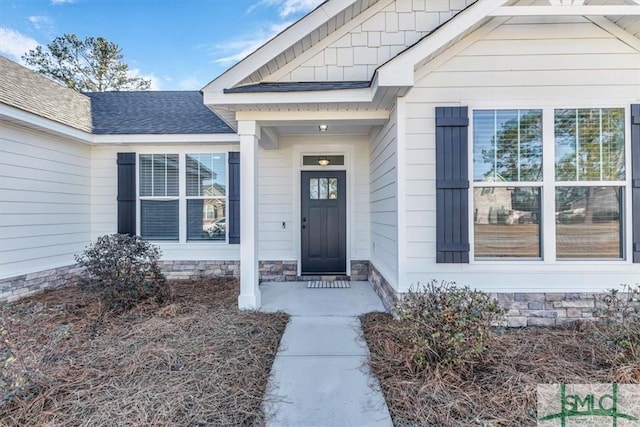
[(123, 271), (446, 324), (617, 323)]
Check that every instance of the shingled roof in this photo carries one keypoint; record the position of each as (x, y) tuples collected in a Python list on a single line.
[(29, 91), (153, 112)]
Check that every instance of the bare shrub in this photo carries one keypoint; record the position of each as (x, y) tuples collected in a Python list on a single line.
[(447, 325), (123, 271), (617, 328)]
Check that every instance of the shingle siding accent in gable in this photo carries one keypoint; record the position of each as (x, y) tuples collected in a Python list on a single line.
[(452, 184), (29, 91), (635, 160), (365, 46)]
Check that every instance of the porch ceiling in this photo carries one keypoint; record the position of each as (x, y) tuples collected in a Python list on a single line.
[(341, 105)]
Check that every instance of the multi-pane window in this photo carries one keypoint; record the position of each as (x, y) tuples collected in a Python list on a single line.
[(198, 197), (587, 187), (590, 174), (206, 197), (507, 160), (159, 192)]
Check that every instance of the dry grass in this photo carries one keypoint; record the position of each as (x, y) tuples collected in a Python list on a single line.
[(196, 361), (502, 390)]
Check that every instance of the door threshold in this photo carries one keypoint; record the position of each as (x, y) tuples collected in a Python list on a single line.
[(326, 277)]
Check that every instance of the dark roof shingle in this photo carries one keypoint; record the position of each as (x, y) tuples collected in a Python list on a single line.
[(153, 112), (298, 87)]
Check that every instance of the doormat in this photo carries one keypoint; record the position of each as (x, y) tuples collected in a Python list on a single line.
[(325, 284)]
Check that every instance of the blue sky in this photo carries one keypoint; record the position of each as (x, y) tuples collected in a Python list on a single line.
[(179, 44)]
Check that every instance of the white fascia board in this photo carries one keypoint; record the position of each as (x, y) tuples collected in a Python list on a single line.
[(314, 116), (163, 139), (277, 45), (616, 31), (602, 10), (33, 121), (400, 70), (306, 97)]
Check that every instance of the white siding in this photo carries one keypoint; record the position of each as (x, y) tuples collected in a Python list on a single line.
[(279, 194), (278, 199), (355, 51), (45, 194), (527, 64), (104, 174), (384, 201), (276, 204)]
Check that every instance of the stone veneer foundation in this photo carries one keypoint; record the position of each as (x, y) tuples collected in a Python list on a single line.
[(384, 290), (523, 309), (18, 287), (193, 270)]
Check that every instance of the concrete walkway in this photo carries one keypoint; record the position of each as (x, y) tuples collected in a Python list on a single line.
[(320, 376)]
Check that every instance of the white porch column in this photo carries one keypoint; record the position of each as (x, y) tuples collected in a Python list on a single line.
[(249, 298)]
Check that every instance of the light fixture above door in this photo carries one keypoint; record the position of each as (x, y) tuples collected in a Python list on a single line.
[(323, 128), (323, 161)]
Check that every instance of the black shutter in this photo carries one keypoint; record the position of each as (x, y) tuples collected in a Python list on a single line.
[(635, 165), (127, 193), (452, 185), (234, 197)]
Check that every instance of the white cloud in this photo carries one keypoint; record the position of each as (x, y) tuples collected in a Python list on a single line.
[(40, 22), (43, 24), (14, 44), (62, 1), (287, 8), (234, 50), (155, 81)]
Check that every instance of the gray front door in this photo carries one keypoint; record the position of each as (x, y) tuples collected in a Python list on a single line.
[(324, 222)]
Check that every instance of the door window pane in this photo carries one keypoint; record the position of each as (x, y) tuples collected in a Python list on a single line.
[(588, 222), (333, 188), (313, 188), (589, 144), (507, 222), (323, 183)]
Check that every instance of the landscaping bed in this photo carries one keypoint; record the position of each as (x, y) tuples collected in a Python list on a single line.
[(195, 360), (501, 389)]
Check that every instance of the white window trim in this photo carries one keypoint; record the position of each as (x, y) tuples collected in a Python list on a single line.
[(548, 184), (182, 194)]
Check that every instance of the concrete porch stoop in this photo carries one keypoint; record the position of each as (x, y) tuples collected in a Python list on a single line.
[(320, 376)]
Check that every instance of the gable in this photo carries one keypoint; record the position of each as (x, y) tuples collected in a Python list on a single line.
[(568, 58), (358, 48)]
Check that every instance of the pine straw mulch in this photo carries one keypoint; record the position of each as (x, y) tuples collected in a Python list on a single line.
[(502, 390), (194, 361)]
